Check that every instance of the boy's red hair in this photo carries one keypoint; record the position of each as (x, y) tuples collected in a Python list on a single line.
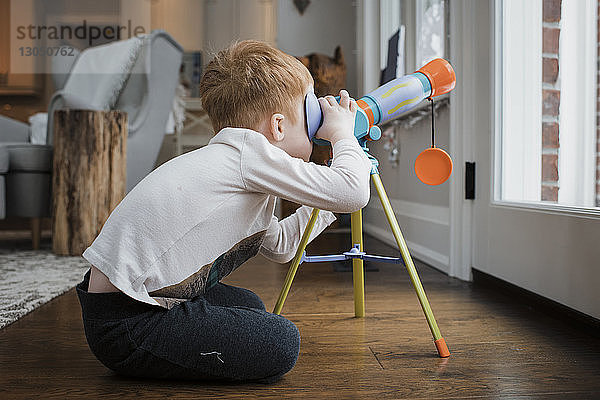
[(249, 81)]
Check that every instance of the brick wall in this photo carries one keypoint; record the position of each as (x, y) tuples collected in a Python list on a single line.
[(550, 99), (550, 184)]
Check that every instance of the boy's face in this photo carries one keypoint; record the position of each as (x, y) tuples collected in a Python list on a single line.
[(288, 136), (298, 144)]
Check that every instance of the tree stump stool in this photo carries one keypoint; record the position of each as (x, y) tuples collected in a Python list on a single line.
[(89, 175)]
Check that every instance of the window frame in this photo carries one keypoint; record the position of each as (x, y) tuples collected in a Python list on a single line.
[(496, 142)]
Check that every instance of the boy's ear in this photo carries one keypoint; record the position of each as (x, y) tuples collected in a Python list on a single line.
[(276, 127)]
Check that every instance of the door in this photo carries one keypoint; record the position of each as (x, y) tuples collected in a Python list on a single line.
[(547, 248)]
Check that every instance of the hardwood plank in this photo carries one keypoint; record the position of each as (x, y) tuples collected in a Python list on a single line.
[(500, 348)]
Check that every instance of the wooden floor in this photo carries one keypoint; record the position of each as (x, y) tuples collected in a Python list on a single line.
[(500, 348)]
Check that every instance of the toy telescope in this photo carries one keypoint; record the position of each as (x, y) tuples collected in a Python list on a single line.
[(434, 165)]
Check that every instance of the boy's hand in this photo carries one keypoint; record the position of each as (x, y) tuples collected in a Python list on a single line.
[(338, 119)]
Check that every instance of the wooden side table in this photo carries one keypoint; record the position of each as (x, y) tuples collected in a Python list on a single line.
[(88, 177)]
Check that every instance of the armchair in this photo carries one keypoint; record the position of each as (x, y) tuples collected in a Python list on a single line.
[(147, 96)]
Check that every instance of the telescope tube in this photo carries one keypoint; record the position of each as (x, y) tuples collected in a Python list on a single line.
[(405, 93), (388, 101)]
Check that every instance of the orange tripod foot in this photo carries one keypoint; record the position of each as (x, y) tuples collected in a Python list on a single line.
[(442, 348)]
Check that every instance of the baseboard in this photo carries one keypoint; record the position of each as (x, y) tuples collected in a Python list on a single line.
[(437, 260), (543, 304)]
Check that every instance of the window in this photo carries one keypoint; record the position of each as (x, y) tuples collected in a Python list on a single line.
[(423, 31), (547, 148), (430, 28)]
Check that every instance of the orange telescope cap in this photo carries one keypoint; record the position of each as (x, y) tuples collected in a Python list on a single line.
[(441, 76), (433, 166)]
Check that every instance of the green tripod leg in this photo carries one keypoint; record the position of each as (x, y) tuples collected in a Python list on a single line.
[(439, 341), (296, 261)]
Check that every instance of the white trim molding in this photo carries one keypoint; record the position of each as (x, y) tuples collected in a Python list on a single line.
[(462, 98), (424, 212), (425, 254), (367, 41)]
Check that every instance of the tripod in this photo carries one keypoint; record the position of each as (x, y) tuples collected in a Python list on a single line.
[(357, 255)]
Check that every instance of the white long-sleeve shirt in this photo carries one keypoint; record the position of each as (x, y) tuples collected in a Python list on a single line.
[(216, 204)]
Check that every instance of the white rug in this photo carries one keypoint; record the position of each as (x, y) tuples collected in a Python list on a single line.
[(30, 278)]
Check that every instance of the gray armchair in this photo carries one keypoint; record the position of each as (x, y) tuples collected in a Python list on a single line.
[(147, 97)]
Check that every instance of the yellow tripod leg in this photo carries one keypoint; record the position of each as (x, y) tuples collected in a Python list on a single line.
[(440, 343), (358, 273), (296, 261)]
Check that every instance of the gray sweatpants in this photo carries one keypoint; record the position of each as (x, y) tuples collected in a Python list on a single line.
[(225, 334)]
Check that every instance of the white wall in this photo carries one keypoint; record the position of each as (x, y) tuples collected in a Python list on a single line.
[(422, 210), (324, 25), (229, 20), (180, 18), (401, 181)]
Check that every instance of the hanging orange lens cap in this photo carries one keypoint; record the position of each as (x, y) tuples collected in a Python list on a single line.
[(433, 166)]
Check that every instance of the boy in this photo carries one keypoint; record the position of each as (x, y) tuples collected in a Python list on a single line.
[(152, 303)]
